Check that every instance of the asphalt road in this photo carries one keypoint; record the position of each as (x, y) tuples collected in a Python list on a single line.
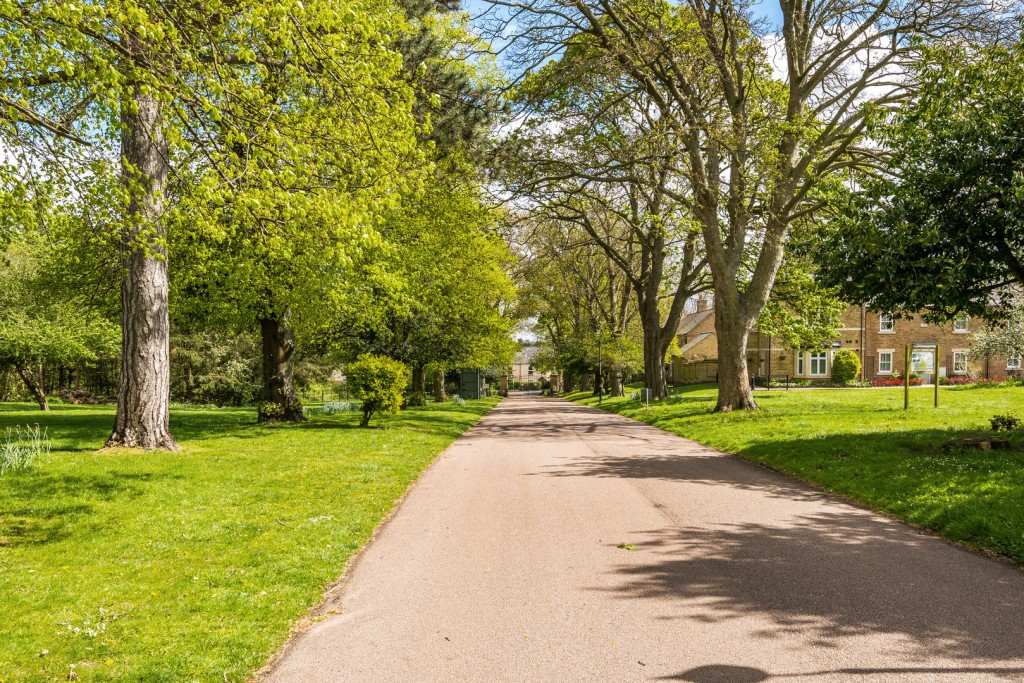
[(503, 565)]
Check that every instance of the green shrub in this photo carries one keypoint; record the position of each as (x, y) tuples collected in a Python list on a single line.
[(1005, 423), (415, 399), (845, 366), (380, 383), (23, 448)]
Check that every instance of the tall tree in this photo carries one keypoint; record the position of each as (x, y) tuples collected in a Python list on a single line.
[(594, 153), (152, 82), (942, 229), (581, 302), (757, 142)]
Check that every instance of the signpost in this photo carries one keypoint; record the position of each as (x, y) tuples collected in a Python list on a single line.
[(922, 357)]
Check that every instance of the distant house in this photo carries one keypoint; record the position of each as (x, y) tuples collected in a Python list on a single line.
[(523, 369), (879, 339)]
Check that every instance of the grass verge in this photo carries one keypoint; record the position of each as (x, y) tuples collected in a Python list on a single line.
[(191, 566), (863, 445)]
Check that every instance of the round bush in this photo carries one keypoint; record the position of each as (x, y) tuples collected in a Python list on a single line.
[(380, 383), (845, 366)]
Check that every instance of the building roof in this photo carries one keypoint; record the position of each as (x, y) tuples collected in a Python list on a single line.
[(691, 320), (693, 342)]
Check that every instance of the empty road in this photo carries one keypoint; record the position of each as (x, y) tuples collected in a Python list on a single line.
[(503, 564)]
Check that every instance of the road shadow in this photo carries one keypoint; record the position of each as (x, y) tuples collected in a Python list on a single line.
[(829, 576)]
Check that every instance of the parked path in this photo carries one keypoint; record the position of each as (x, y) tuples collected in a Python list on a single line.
[(502, 565)]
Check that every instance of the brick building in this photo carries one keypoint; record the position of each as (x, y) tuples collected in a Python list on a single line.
[(878, 338)]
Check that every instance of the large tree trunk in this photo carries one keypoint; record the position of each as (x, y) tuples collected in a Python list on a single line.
[(419, 379), (37, 390), (439, 394), (654, 361), (733, 381), (280, 402), (617, 389), (143, 399), (598, 384)]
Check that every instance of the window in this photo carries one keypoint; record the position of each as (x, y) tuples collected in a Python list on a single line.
[(886, 323), (799, 364), (960, 323), (959, 362), (819, 364), (1013, 363), (885, 362), (530, 371)]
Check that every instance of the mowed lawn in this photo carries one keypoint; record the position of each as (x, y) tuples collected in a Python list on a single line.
[(191, 566), (862, 444)]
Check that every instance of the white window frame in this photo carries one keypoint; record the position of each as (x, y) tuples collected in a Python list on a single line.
[(821, 357), (1013, 362), (966, 356), (892, 356), (957, 327), (884, 318), (801, 364)]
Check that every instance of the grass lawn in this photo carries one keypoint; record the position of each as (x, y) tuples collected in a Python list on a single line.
[(862, 444), (191, 566)]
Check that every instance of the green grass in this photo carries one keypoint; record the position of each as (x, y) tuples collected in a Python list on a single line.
[(861, 443), (191, 566)]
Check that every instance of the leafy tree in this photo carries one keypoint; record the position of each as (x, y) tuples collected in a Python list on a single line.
[(582, 304), (759, 145), (452, 299), (943, 229), (379, 382), (593, 154), (40, 325), (210, 366), (169, 87)]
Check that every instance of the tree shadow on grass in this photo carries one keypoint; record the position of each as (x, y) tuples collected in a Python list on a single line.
[(41, 507), (826, 577)]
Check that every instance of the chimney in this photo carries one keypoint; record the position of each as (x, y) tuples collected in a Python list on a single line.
[(703, 301)]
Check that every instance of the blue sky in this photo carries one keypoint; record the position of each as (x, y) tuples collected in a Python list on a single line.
[(767, 9)]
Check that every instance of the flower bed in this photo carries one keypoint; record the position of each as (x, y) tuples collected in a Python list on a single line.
[(894, 382)]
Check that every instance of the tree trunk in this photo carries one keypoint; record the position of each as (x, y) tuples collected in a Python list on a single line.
[(733, 381), (585, 381), (419, 379), (143, 399), (5, 383), (598, 383), (439, 395), (280, 402), (35, 389), (654, 362), (615, 378)]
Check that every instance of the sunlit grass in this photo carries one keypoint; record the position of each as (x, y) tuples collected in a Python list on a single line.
[(862, 444), (193, 565)]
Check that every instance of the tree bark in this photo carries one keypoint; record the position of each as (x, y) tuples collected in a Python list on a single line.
[(734, 391), (143, 399), (598, 383), (278, 372), (654, 361), (615, 379), (35, 389), (419, 379), (439, 394), (585, 381), (5, 383)]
